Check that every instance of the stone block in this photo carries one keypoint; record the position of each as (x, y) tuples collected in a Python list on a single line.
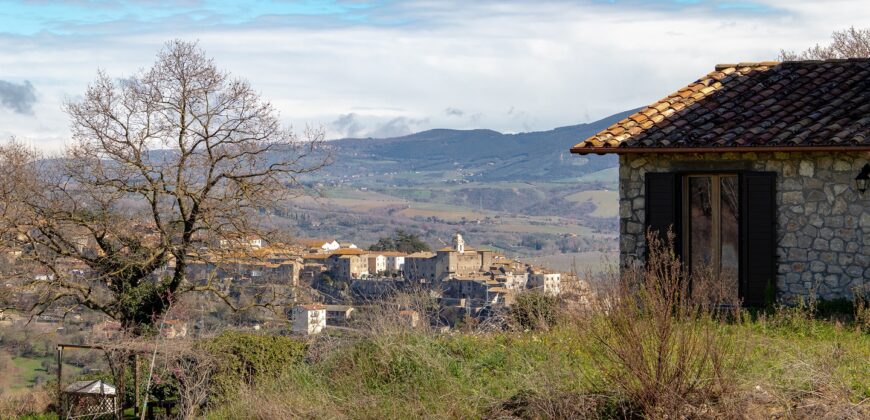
[(820, 244), (797, 254), (842, 166), (807, 168), (854, 270), (805, 241), (637, 203), (791, 184), (792, 198)]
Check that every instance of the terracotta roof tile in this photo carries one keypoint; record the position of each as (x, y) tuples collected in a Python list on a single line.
[(768, 104)]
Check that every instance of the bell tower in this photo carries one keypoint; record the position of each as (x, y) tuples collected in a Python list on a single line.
[(459, 244)]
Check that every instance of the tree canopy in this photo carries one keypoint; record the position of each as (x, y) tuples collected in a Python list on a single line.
[(848, 43), (400, 241), (162, 167)]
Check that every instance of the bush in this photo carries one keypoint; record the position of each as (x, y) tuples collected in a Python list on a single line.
[(535, 310), (663, 346), (30, 402), (241, 359)]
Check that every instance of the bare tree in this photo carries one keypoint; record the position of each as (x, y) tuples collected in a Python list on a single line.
[(162, 168), (849, 43)]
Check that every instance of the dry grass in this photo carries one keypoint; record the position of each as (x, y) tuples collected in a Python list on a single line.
[(661, 342), (606, 202), (15, 404)]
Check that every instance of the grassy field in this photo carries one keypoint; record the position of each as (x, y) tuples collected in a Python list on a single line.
[(783, 370), (29, 372), (606, 201), (609, 175)]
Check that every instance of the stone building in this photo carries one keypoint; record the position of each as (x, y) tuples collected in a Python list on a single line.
[(457, 260), (760, 171), (547, 281), (420, 265), (347, 264)]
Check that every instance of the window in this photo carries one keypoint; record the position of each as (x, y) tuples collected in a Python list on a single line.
[(711, 216), (725, 220)]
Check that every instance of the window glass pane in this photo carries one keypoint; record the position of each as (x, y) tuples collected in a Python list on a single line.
[(700, 222), (728, 227)]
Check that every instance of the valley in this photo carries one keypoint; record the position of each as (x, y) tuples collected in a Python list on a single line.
[(522, 194)]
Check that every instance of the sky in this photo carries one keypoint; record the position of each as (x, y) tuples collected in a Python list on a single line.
[(387, 68)]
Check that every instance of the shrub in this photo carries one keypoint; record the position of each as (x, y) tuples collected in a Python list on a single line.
[(663, 347), (535, 310), (241, 359), (29, 402)]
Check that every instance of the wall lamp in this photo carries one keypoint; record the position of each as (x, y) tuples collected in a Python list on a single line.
[(862, 181)]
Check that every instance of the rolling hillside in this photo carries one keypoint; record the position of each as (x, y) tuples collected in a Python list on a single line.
[(474, 155)]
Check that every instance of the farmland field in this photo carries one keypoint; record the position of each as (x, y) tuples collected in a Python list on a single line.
[(606, 201), (594, 262)]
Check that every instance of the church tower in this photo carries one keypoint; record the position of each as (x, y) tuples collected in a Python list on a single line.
[(459, 244)]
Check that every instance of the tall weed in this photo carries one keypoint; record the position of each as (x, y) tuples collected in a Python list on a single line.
[(662, 335)]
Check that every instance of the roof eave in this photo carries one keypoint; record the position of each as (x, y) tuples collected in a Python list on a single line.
[(729, 149)]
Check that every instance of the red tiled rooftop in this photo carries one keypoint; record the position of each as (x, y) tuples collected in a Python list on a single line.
[(799, 105)]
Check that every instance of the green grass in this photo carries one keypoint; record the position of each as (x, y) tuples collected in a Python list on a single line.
[(29, 371), (471, 375)]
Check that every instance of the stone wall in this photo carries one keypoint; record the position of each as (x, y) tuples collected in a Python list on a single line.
[(823, 223)]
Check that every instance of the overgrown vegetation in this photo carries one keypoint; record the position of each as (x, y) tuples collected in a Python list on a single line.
[(650, 347), (401, 241), (535, 310), (241, 359)]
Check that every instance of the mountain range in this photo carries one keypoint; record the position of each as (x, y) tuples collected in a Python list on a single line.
[(475, 155)]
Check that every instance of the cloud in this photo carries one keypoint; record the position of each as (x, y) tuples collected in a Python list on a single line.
[(453, 112), (19, 98), (361, 68), (347, 125), (396, 127)]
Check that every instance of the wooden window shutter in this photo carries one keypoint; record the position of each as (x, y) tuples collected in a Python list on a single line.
[(663, 205), (757, 236)]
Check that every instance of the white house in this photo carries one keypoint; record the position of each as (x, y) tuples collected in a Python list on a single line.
[(321, 244), (550, 283), (395, 261), (309, 319), (377, 263)]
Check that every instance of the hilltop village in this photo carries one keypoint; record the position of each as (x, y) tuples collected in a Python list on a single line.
[(465, 282), (323, 282)]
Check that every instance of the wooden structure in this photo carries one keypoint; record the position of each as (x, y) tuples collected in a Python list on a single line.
[(117, 399), (89, 399)]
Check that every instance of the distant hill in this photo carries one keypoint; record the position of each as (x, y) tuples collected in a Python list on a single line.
[(476, 155)]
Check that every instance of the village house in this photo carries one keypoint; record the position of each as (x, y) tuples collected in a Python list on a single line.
[(760, 170), (320, 245), (247, 269), (395, 261), (547, 281), (338, 314), (309, 319), (377, 264), (347, 264), (420, 265)]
